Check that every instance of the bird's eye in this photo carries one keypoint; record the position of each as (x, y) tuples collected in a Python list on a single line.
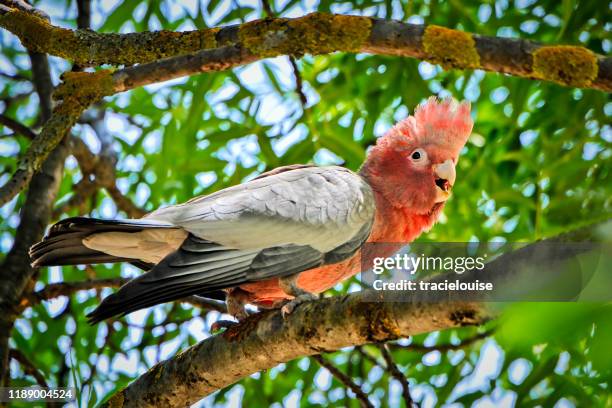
[(418, 155)]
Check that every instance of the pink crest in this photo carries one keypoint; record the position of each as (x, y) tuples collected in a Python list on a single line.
[(445, 122)]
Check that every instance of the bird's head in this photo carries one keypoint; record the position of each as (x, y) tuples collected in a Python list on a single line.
[(413, 164)]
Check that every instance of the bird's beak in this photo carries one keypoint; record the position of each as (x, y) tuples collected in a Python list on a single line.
[(445, 179)]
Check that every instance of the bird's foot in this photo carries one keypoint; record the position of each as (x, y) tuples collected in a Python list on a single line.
[(223, 324), (290, 306)]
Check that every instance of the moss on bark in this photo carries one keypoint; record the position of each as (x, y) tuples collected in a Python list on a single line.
[(450, 48), (86, 47), (565, 64), (315, 33)]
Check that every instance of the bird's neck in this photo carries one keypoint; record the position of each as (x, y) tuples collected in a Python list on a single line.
[(396, 224), (393, 224)]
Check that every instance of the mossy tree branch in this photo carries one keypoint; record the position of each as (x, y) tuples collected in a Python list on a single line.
[(55, 129), (265, 340), (320, 33)]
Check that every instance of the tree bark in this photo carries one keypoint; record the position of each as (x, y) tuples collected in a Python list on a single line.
[(266, 340)]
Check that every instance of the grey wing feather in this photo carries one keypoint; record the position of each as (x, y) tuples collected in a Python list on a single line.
[(318, 206), (273, 226)]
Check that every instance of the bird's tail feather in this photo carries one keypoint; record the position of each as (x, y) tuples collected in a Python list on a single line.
[(138, 294), (197, 267), (63, 245)]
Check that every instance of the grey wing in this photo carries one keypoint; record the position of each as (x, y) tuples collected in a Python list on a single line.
[(273, 226), (318, 206)]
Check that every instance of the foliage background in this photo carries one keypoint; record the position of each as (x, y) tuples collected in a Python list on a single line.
[(537, 164)]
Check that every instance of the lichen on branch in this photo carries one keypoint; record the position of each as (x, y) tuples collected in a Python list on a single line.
[(320, 33), (315, 33), (565, 64), (85, 87), (450, 48), (89, 48)]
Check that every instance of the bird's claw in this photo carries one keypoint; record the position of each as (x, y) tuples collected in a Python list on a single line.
[(290, 306)]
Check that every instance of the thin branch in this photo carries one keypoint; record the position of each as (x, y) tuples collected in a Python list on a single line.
[(444, 347), (17, 127), (41, 78), (367, 355), (205, 303), (83, 14), (397, 374), (267, 7), (14, 77), (344, 379), (28, 367), (83, 190), (123, 203), (55, 290), (102, 166), (9, 100), (299, 85), (85, 157)]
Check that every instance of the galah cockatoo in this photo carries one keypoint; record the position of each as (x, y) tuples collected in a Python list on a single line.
[(282, 237)]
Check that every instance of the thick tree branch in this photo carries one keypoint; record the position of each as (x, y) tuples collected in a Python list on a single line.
[(266, 340), (55, 129), (321, 33), (88, 48)]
